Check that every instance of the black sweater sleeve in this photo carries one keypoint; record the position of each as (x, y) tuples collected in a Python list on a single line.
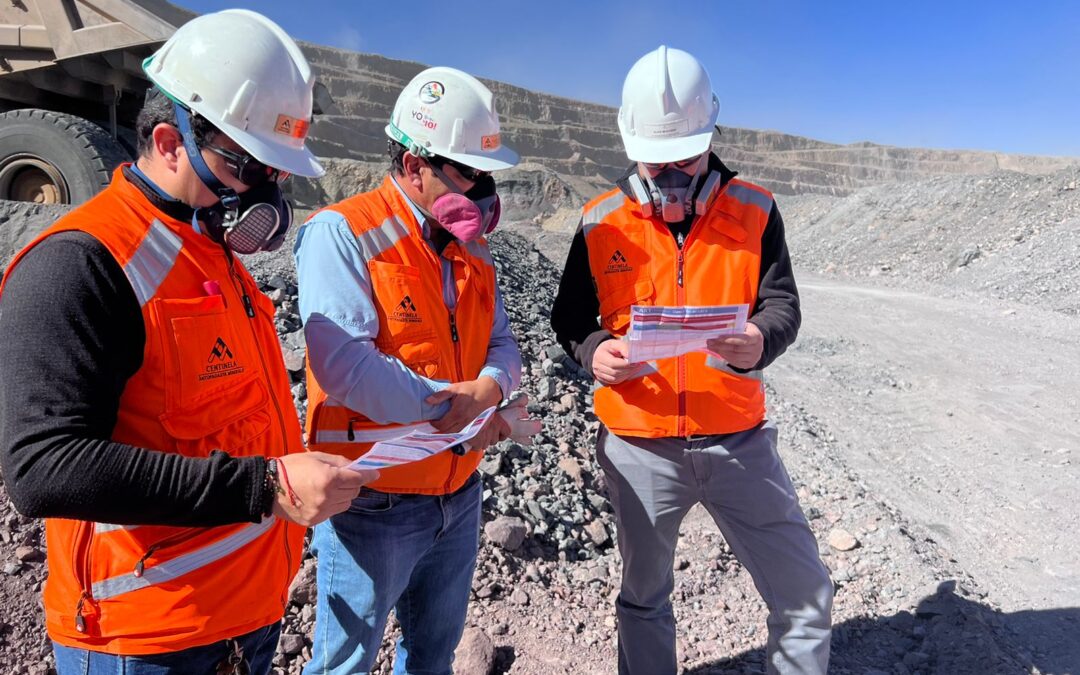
[(776, 312), (71, 335), (575, 316)]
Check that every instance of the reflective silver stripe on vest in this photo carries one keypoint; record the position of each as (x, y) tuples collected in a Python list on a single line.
[(720, 364), (153, 261), (750, 196), (371, 435), (382, 238), (481, 251), (178, 567), (597, 213), (102, 528)]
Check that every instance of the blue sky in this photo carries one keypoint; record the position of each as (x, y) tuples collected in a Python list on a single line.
[(987, 75)]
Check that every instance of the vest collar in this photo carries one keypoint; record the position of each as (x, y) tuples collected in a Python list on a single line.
[(173, 208)]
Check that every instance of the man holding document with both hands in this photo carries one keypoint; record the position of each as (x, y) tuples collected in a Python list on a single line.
[(681, 247)]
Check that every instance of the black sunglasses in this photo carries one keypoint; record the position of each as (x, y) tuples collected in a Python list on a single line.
[(467, 172), (247, 169)]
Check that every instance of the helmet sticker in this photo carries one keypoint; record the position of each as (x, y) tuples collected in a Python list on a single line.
[(489, 142), (667, 128), (432, 92), (291, 126)]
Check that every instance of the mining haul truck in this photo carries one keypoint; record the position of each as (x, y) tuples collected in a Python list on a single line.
[(71, 84)]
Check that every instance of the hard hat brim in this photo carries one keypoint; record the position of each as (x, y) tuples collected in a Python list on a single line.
[(297, 161), (501, 158), (660, 150)]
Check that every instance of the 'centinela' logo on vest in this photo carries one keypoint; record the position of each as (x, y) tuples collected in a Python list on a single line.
[(221, 362), (406, 311), (617, 263)]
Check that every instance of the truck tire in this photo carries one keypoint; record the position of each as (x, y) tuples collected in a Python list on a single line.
[(54, 158)]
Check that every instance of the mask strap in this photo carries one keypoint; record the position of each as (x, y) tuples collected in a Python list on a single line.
[(226, 195), (692, 188), (656, 198), (640, 191), (451, 185), (705, 195)]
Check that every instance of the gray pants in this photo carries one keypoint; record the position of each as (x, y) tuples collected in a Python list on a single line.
[(740, 480)]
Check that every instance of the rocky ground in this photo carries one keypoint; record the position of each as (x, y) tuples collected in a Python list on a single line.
[(934, 482), (548, 570)]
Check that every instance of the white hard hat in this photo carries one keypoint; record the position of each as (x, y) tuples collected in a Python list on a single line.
[(247, 77), (448, 113), (668, 107)]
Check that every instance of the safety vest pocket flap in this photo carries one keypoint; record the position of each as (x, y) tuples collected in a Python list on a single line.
[(246, 402), (615, 303), (727, 222)]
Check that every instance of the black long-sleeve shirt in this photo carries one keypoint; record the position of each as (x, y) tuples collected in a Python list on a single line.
[(574, 316), (71, 335)]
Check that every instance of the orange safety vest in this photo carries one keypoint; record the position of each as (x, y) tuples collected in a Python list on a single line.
[(415, 327), (635, 261), (212, 377)]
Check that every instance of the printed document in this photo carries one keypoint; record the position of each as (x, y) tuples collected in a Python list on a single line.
[(416, 442), (667, 331)]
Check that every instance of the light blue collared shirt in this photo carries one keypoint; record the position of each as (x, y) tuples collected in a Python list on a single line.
[(341, 323)]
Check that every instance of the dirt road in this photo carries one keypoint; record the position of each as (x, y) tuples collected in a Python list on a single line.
[(965, 415)]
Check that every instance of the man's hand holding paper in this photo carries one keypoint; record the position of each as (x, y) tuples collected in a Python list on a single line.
[(743, 350)]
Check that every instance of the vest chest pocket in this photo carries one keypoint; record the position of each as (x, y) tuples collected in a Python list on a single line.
[(205, 351), (214, 395), (406, 328)]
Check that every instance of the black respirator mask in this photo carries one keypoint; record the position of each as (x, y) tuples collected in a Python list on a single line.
[(246, 223), (672, 193)]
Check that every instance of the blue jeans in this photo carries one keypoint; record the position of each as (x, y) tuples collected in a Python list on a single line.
[(414, 554), (258, 649)]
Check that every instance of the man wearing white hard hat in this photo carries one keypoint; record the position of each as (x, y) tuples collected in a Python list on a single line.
[(147, 414), (679, 230), (406, 330)]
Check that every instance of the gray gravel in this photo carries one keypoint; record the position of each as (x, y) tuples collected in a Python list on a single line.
[(548, 570)]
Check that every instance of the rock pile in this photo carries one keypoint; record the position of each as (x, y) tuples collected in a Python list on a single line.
[(1008, 235)]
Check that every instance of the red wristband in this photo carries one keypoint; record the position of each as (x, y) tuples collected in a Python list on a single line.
[(288, 488)]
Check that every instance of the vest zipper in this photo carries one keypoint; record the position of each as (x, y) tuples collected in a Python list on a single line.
[(454, 337), (679, 241), (350, 434), (81, 562), (80, 622), (680, 299), (175, 538), (250, 309)]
